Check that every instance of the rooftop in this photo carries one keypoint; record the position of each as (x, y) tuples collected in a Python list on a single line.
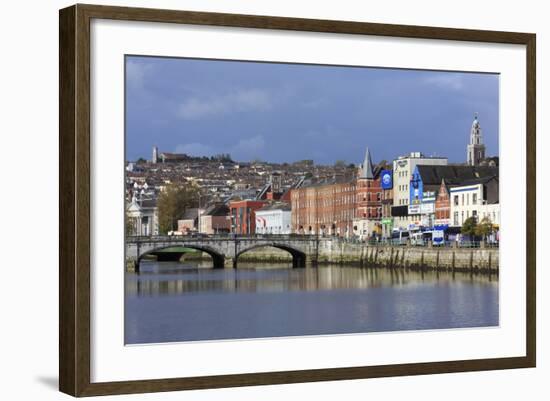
[(454, 174)]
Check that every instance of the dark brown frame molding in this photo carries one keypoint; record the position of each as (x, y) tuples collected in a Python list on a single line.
[(74, 199)]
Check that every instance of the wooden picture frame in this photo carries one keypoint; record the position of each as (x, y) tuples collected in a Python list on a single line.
[(75, 208)]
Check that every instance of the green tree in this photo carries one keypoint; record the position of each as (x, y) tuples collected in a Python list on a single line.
[(469, 226), (141, 160), (484, 228), (340, 163), (172, 204)]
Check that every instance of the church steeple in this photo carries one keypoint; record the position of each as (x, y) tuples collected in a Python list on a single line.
[(367, 171), (476, 148)]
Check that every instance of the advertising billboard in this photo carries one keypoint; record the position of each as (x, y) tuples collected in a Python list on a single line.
[(386, 179)]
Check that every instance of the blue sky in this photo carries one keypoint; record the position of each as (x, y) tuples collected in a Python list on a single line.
[(288, 112)]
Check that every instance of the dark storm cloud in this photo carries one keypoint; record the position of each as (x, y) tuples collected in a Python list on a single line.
[(288, 112)]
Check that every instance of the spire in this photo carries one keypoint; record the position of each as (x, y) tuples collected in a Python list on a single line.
[(476, 148), (367, 170), (475, 123)]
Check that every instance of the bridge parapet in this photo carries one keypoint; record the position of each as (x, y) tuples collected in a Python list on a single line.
[(225, 249)]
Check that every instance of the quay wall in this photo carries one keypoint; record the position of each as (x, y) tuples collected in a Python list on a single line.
[(411, 257), (387, 256)]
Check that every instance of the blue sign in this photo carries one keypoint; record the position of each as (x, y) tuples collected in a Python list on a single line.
[(386, 179)]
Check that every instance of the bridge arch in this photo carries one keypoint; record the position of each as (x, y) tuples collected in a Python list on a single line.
[(218, 259), (298, 256)]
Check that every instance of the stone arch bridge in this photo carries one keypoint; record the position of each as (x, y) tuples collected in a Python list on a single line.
[(306, 250)]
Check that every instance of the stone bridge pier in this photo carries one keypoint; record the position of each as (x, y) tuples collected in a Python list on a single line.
[(224, 250)]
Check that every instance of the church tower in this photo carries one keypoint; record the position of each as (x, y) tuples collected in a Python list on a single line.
[(476, 148), (155, 155)]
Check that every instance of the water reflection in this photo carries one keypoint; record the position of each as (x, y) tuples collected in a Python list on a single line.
[(175, 302), (171, 278)]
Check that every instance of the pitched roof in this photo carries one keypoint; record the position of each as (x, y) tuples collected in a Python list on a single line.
[(481, 180), (454, 174), (367, 169), (319, 182), (190, 213), (148, 203), (275, 206), (217, 209)]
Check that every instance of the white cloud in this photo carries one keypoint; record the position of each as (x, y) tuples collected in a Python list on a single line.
[(446, 80), (195, 108)]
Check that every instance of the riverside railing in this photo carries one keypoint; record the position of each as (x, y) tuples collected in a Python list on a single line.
[(309, 237)]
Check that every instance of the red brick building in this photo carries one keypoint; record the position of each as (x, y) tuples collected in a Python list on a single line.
[(368, 200), (243, 216), (442, 205), (344, 207), (325, 207)]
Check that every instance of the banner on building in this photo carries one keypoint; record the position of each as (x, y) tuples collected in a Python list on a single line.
[(386, 179)]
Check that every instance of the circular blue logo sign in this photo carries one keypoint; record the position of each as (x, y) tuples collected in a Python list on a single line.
[(386, 179)]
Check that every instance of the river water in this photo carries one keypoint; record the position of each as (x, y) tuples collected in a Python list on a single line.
[(188, 302)]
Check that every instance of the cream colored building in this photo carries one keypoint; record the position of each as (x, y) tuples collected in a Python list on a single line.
[(403, 168)]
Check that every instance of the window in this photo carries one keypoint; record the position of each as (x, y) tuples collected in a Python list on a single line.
[(456, 200), (455, 218), (467, 199), (474, 199), (463, 199)]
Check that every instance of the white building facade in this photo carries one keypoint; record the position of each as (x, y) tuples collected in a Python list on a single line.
[(469, 201), (143, 218), (274, 220)]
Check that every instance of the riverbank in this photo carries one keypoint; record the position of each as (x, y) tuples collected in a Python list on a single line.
[(477, 260)]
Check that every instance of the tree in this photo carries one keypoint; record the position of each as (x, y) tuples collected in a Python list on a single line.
[(172, 204), (141, 160), (340, 163), (484, 228), (469, 226)]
